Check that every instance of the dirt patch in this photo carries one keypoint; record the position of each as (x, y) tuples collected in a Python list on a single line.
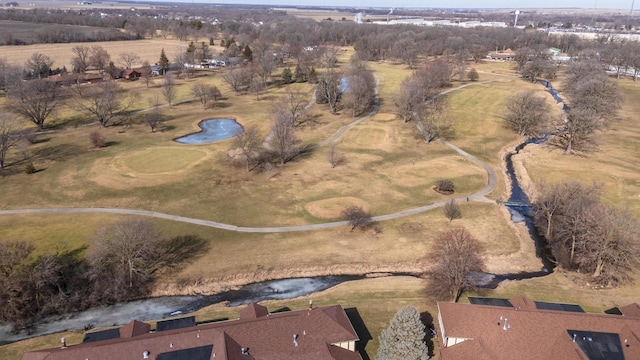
[(331, 208), (411, 228)]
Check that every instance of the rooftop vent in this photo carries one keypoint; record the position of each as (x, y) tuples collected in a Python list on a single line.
[(244, 351), (295, 340), (145, 354)]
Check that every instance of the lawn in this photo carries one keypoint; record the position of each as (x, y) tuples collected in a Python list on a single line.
[(387, 169), (614, 166)]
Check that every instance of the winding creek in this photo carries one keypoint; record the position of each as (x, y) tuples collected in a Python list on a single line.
[(155, 308)]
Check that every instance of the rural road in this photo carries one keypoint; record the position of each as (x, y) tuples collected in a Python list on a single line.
[(478, 196)]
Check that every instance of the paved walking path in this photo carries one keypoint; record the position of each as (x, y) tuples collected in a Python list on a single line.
[(478, 196)]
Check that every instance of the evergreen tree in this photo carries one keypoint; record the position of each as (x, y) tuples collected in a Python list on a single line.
[(163, 62), (313, 75), (247, 53), (404, 338), (298, 75), (287, 77), (211, 42)]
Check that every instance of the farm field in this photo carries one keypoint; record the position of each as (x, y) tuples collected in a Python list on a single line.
[(387, 169), (147, 49)]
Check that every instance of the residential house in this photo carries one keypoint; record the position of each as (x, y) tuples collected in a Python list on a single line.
[(323, 333), (131, 74), (73, 79), (506, 55), (523, 329)]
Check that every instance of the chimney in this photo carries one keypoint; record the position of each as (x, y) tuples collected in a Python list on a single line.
[(64, 342), (310, 304)]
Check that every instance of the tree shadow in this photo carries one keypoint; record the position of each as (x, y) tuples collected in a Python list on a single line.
[(430, 331), (183, 248), (166, 128), (361, 330), (111, 143), (282, 309), (221, 105), (59, 152)]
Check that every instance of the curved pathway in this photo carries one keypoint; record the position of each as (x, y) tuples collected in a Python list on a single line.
[(477, 196)]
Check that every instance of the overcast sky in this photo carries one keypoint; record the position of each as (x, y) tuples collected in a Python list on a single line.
[(512, 4)]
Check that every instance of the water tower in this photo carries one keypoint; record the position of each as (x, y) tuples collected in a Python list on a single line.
[(515, 23)]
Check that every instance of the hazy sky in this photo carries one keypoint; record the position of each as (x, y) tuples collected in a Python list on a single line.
[(589, 4)]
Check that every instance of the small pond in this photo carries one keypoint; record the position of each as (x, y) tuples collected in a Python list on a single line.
[(212, 130)]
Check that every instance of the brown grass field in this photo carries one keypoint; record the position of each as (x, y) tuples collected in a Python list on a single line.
[(387, 169), (147, 49)]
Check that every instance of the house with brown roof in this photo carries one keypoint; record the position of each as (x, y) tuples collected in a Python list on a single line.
[(323, 333), (73, 79), (131, 74), (524, 329), (506, 55)]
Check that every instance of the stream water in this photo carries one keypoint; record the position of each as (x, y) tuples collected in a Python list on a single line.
[(519, 205), (157, 308)]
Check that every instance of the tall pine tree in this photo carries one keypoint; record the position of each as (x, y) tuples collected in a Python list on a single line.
[(404, 338), (163, 62)]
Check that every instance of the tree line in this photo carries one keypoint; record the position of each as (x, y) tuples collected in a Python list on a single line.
[(120, 263)]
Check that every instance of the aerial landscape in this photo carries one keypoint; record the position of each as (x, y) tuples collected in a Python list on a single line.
[(309, 181)]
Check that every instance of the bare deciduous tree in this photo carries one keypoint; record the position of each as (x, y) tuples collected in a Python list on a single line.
[(454, 254), (452, 210), (9, 136), (292, 103), (97, 139), (205, 93), (433, 121), (238, 79), (146, 74), (35, 100), (586, 235), (38, 65), (169, 88), (128, 59), (153, 117), (335, 156), (409, 98), (361, 94), (99, 57), (249, 144), (283, 138), (103, 101), (80, 59), (357, 217), (328, 90), (129, 248), (577, 131), (527, 114)]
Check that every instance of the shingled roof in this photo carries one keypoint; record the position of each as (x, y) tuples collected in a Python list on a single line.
[(323, 333), (524, 331)]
